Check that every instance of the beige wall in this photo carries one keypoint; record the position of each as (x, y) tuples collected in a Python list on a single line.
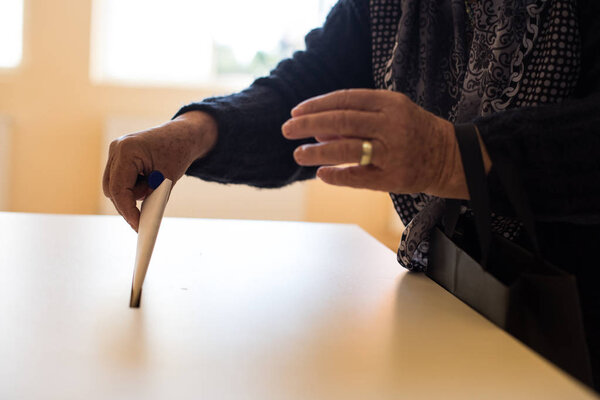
[(57, 118)]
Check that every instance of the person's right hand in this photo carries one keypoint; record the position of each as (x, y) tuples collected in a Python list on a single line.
[(170, 148)]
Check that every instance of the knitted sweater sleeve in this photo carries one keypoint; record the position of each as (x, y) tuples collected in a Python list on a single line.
[(250, 148), (555, 148)]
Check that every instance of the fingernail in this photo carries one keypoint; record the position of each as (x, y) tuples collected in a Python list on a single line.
[(285, 128), (298, 154), (298, 110), (320, 173)]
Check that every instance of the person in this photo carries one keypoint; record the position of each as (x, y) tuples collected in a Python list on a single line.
[(383, 84)]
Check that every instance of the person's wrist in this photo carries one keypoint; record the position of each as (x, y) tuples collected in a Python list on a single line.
[(450, 182), (199, 130)]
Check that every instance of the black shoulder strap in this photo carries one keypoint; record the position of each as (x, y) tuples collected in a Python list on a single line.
[(472, 160), (470, 150)]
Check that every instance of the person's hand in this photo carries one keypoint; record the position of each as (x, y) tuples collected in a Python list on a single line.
[(413, 150), (170, 148)]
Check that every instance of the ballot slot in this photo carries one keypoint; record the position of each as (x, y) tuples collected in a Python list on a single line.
[(152, 211)]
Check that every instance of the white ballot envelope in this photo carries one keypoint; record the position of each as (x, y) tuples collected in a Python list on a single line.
[(153, 208)]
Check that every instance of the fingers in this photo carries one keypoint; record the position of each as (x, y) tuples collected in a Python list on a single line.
[(337, 152), (141, 190), (121, 186), (328, 138), (348, 123), (124, 202), (119, 182), (123, 178), (349, 99), (367, 177)]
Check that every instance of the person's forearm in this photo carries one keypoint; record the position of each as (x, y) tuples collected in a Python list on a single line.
[(451, 183), (200, 132)]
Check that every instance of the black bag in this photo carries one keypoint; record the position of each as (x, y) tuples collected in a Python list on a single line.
[(514, 288)]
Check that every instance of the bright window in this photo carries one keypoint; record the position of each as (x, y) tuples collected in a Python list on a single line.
[(197, 42), (11, 33)]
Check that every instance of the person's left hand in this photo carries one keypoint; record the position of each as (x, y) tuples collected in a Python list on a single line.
[(413, 150)]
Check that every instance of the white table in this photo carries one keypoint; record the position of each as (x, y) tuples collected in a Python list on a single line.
[(241, 310)]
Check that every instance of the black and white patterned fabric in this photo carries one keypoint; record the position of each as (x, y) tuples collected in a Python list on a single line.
[(462, 60)]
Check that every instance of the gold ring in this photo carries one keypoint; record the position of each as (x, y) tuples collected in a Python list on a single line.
[(367, 153)]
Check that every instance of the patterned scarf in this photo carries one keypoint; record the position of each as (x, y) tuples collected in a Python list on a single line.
[(464, 60)]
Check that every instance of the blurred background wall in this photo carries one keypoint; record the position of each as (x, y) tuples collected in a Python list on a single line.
[(55, 123)]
